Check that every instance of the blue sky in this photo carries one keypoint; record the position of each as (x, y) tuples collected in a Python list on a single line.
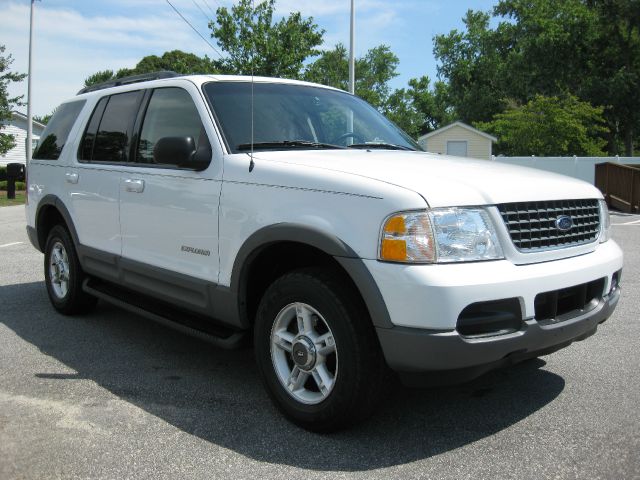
[(74, 39)]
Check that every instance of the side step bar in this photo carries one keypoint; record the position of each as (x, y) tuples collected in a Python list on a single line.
[(166, 315)]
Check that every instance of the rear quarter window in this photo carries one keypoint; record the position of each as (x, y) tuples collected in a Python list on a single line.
[(55, 134)]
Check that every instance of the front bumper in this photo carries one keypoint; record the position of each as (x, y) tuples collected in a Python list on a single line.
[(432, 297), (411, 350), (426, 302)]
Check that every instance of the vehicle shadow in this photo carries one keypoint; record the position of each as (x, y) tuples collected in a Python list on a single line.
[(217, 396)]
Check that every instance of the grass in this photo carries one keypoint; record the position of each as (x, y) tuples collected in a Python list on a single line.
[(5, 202)]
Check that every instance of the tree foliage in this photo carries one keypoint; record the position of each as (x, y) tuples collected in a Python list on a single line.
[(549, 126), (44, 119), (175, 60), (255, 43), (420, 109), (373, 72), (7, 141), (470, 63), (586, 48), (100, 77)]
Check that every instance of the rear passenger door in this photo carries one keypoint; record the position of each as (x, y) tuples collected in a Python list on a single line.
[(93, 182), (168, 212)]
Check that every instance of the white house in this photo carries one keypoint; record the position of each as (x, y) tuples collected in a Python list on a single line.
[(459, 139), (17, 127)]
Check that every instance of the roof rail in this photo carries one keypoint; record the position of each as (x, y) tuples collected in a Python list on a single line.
[(145, 77)]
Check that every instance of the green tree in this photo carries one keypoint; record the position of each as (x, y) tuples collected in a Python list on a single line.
[(472, 65), (44, 119), (373, 72), (420, 109), (331, 68), (99, 77), (401, 110), (549, 126), (7, 141), (175, 60), (586, 48), (617, 62), (255, 43)]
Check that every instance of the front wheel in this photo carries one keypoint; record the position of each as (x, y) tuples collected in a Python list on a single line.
[(317, 351)]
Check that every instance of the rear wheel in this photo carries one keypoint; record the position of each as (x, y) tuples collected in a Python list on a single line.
[(63, 274), (317, 351)]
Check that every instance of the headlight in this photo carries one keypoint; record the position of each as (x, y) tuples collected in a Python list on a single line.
[(440, 235), (605, 222)]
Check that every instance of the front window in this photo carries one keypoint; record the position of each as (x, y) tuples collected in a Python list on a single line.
[(171, 113), (299, 116)]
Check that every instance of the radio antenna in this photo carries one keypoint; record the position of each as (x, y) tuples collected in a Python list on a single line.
[(252, 164)]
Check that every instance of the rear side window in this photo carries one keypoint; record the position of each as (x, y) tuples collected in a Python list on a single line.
[(107, 136), (55, 135), (89, 138), (171, 113)]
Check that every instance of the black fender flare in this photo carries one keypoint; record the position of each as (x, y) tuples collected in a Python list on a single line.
[(321, 240), (54, 201)]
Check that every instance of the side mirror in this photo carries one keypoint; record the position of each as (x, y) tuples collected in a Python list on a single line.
[(181, 151), (174, 150)]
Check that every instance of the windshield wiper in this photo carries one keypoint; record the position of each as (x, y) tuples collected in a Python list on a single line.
[(381, 145), (287, 144)]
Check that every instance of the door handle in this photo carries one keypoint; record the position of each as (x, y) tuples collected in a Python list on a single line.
[(72, 177), (133, 185)]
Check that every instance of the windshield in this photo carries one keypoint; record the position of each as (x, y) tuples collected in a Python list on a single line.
[(299, 116)]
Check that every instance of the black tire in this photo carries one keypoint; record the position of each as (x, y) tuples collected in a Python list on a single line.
[(72, 299), (362, 374)]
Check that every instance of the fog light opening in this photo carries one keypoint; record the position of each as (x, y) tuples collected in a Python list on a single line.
[(485, 319), (615, 281)]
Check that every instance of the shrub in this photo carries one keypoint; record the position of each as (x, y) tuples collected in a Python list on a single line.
[(19, 186)]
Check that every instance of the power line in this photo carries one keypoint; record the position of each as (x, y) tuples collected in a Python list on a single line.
[(209, 6), (203, 12), (195, 30)]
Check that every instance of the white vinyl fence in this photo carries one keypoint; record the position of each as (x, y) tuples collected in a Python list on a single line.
[(577, 167)]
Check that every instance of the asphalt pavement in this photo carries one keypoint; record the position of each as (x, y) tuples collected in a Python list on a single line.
[(112, 395)]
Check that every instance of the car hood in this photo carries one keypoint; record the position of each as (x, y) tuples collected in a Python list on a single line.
[(443, 180)]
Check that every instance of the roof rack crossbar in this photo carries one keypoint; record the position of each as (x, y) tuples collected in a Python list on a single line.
[(144, 77)]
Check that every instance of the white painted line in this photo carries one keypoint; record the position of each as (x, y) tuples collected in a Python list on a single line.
[(633, 222), (11, 244)]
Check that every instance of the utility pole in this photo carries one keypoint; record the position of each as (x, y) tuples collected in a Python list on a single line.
[(352, 61), (30, 75)]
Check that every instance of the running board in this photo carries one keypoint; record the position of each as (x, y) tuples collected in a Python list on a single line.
[(164, 314)]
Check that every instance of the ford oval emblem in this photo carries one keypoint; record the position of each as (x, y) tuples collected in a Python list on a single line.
[(564, 223)]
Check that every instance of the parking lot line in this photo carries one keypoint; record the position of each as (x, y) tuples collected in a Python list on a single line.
[(11, 244), (633, 222)]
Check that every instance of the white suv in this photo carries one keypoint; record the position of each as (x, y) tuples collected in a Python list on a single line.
[(229, 207)]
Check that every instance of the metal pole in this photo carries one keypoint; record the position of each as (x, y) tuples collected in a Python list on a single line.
[(30, 75), (352, 61)]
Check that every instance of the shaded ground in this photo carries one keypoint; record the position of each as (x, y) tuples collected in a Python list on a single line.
[(112, 395)]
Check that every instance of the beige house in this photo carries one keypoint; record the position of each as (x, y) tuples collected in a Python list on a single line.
[(459, 139)]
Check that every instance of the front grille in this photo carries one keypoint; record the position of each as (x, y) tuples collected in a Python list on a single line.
[(532, 225)]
